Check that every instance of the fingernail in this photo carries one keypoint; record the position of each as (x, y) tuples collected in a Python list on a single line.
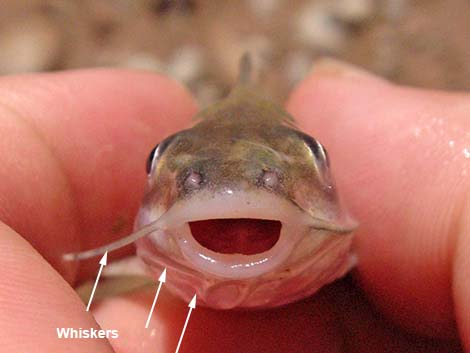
[(328, 66)]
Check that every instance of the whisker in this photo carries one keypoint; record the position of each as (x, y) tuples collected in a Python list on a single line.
[(149, 228)]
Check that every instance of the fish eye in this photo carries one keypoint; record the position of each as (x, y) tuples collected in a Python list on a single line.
[(317, 149), (150, 158), (156, 152)]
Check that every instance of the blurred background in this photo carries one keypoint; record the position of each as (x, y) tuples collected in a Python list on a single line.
[(422, 43)]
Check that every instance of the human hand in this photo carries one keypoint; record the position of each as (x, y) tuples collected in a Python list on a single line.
[(72, 152)]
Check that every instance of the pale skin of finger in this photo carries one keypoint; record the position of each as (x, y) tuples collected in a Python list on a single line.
[(399, 159), (73, 153), (35, 300)]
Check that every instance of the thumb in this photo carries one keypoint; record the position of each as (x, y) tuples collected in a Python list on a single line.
[(401, 157)]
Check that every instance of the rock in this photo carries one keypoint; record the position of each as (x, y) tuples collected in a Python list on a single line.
[(353, 11), (143, 61), (207, 92), (264, 9), (30, 44), (297, 66), (395, 10), (187, 64), (316, 27)]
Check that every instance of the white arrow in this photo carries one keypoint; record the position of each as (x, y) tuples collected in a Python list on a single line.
[(191, 305), (103, 263), (162, 280)]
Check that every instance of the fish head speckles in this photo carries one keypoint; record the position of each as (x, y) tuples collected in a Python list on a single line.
[(231, 156)]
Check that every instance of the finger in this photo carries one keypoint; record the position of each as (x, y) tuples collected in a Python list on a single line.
[(400, 159), (307, 326), (363, 329), (73, 151), (461, 280), (35, 301), (337, 319)]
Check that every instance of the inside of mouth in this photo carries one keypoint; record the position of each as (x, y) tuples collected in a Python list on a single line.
[(245, 236)]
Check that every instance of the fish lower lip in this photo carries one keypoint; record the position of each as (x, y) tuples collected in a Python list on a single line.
[(246, 236)]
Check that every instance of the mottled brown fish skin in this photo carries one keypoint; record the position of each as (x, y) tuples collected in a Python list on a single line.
[(232, 145)]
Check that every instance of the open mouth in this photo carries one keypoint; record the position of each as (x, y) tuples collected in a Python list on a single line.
[(245, 236), (233, 235)]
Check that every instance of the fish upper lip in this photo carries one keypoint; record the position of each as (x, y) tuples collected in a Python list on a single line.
[(254, 204)]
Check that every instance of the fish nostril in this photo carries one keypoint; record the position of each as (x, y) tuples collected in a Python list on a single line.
[(193, 180), (270, 179)]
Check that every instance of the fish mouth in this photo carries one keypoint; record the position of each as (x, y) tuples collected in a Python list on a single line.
[(232, 234), (246, 236)]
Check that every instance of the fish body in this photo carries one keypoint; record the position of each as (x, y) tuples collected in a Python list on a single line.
[(248, 212)]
